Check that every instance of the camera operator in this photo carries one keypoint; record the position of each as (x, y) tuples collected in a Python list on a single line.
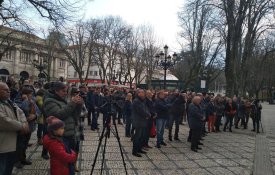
[(108, 108), (55, 104), (119, 98)]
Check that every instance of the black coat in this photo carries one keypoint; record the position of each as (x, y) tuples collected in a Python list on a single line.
[(162, 109), (140, 113), (178, 106), (128, 108), (211, 109), (195, 115), (90, 100), (151, 107)]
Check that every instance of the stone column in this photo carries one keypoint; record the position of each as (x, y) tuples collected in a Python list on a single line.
[(16, 61)]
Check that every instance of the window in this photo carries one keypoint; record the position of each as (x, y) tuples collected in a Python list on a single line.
[(82, 73), (75, 74), (42, 57), (90, 73), (26, 56), (95, 73), (62, 63), (8, 55)]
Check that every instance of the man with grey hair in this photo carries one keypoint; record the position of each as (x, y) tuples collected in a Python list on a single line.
[(140, 116), (10, 124), (196, 118)]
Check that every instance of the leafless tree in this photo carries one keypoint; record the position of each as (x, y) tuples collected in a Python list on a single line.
[(111, 32), (16, 13), (148, 51), (7, 40), (257, 25), (204, 46), (130, 63), (76, 50), (245, 21)]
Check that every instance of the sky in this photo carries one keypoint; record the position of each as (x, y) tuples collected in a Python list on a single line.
[(160, 14)]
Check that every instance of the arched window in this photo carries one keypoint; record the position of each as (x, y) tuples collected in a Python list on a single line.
[(4, 73)]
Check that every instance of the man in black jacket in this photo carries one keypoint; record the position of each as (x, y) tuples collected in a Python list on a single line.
[(196, 118), (140, 116), (151, 107), (177, 111)]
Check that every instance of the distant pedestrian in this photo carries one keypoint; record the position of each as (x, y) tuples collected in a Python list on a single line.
[(230, 112)]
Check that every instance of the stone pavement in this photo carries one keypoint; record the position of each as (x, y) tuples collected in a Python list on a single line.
[(223, 153), (268, 121)]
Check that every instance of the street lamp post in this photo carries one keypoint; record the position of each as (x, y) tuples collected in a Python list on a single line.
[(40, 65), (166, 62)]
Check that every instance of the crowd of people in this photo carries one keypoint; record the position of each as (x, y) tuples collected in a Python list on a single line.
[(57, 113)]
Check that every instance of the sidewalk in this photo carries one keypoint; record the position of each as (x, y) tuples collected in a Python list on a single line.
[(223, 153)]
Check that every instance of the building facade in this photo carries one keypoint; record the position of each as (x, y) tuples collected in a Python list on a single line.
[(26, 56)]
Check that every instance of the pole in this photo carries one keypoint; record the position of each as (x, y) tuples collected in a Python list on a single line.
[(165, 67)]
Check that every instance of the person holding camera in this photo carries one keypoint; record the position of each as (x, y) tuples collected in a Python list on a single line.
[(55, 104)]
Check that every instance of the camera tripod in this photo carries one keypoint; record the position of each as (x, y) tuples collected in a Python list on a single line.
[(107, 129)]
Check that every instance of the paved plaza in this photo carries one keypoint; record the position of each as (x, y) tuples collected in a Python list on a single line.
[(223, 153)]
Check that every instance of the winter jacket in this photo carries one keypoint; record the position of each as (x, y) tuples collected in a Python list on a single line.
[(178, 107), (39, 102), (67, 112), (60, 159), (219, 109), (90, 101), (211, 109), (10, 123), (140, 113), (26, 107), (230, 110), (151, 107), (196, 116), (128, 108), (162, 109)]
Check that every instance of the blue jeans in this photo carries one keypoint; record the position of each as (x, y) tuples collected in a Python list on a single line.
[(7, 161), (160, 130)]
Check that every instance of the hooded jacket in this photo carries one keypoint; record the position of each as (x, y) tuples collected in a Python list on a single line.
[(60, 159)]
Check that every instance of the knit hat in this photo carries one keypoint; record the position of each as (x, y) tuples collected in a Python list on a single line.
[(54, 123)]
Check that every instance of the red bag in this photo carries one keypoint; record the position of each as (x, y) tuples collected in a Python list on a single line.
[(153, 131)]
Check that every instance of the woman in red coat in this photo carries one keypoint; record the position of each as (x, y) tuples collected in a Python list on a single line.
[(61, 156)]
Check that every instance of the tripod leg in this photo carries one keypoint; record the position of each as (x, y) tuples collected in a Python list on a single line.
[(120, 148), (98, 147), (103, 152)]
